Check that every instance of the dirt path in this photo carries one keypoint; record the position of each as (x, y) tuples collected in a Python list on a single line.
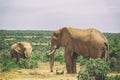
[(40, 73)]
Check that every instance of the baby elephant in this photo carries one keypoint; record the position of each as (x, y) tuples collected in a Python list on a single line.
[(21, 50)]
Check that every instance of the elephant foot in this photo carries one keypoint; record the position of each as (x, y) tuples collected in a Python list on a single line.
[(74, 72), (71, 72), (51, 71)]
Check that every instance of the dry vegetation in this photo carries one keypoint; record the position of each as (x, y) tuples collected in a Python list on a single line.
[(40, 73)]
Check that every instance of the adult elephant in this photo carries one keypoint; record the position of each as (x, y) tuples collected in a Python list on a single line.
[(88, 43), (21, 50)]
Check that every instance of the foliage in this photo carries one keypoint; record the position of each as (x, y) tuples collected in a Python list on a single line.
[(3, 44), (6, 63), (35, 56), (59, 57), (114, 42), (113, 62), (33, 64), (23, 63), (80, 58), (94, 70), (45, 57), (117, 77)]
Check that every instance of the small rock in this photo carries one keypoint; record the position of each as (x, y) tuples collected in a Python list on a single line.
[(59, 71)]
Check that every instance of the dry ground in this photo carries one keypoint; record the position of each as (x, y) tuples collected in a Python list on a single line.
[(40, 73)]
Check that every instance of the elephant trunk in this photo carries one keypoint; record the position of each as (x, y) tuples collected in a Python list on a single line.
[(52, 59)]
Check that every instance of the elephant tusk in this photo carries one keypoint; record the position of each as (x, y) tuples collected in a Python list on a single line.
[(52, 51)]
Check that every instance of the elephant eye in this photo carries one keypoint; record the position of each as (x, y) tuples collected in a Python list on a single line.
[(24, 48), (55, 35)]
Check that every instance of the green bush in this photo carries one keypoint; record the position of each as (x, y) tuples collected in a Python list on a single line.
[(46, 57), (115, 53), (115, 64), (40, 56), (117, 77), (6, 63), (3, 44), (59, 57), (33, 64), (95, 69), (80, 59), (35, 56), (23, 63)]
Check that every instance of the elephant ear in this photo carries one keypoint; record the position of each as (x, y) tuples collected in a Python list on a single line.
[(56, 35), (66, 36), (19, 48), (23, 46)]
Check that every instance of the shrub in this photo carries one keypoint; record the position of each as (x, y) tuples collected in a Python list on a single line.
[(46, 57), (80, 59), (23, 63), (33, 64), (94, 70), (6, 63), (113, 61), (115, 53), (3, 44), (35, 56), (115, 64), (117, 77), (59, 57)]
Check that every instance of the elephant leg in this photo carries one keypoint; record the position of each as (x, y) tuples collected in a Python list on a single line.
[(74, 58), (51, 62), (68, 61), (28, 62), (17, 59)]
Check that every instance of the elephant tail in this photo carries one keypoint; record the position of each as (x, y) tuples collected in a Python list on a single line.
[(107, 54)]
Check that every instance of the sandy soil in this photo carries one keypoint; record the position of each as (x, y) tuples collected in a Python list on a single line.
[(40, 73)]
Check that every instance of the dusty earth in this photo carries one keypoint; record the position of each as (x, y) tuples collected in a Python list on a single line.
[(40, 73)]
